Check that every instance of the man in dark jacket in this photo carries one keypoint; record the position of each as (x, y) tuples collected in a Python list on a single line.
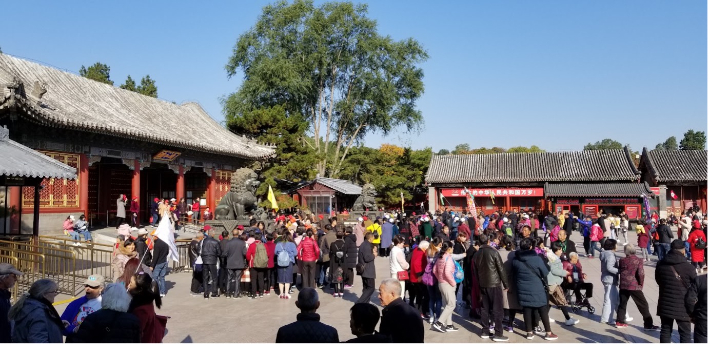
[(567, 245), (492, 281), (665, 236), (363, 319), (195, 250), (350, 257), (210, 253), (366, 259), (399, 320), (235, 253), (222, 285), (569, 224), (307, 328), (144, 254), (8, 278), (674, 276), (696, 302), (159, 263), (324, 244)]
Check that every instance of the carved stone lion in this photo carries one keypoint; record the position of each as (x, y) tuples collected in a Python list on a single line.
[(367, 199), (240, 201)]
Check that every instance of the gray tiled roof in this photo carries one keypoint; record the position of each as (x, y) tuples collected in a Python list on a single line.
[(601, 190), (676, 165), (588, 165), (340, 185), (20, 161), (75, 102)]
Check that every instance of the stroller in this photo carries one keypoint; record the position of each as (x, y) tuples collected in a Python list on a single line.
[(578, 305)]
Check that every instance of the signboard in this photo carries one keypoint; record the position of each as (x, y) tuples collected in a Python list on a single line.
[(166, 155), (572, 201), (14, 181), (656, 190), (611, 201), (590, 210), (497, 192), (633, 212)]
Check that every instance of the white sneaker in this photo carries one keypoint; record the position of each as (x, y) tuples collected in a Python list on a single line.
[(629, 319), (552, 321), (571, 321)]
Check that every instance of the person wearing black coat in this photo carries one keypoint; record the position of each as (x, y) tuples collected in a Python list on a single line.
[(144, 254), (530, 274), (307, 328), (696, 302), (222, 285), (400, 321), (210, 253), (671, 293), (366, 258), (350, 257), (195, 248), (363, 319), (665, 236), (235, 253), (569, 224)]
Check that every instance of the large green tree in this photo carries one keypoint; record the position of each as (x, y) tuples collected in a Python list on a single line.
[(294, 160), (693, 140), (129, 85), (98, 72), (394, 171), (669, 144), (147, 87), (604, 144), (330, 65), (462, 148)]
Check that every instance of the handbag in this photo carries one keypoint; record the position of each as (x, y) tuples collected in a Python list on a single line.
[(246, 276), (360, 268), (403, 275), (700, 244)]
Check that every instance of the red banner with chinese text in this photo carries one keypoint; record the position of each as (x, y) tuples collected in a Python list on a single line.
[(498, 192)]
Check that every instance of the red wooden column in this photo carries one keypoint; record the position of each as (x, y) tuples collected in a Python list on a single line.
[(136, 186), (211, 193), (83, 174), (180, 187)]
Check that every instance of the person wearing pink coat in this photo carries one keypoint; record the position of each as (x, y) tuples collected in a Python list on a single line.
[(444, 272)]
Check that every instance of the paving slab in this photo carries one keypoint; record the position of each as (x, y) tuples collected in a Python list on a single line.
[(194, 319)]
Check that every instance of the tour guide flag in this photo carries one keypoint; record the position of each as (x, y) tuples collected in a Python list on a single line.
[(166, 233), (272, 199), (441, 198)]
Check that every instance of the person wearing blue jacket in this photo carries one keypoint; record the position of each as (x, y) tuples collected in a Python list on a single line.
[(284, 272), (586, 229), (79, 309), (530, 274)]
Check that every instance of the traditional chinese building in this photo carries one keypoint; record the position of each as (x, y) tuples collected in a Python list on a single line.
[(678, 177), (120, 142), (562, 181), (326, 196)]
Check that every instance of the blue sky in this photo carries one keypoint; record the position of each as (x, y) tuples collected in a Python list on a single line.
[(556, 74)]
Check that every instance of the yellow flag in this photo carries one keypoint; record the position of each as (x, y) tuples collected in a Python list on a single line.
[(272, 199)]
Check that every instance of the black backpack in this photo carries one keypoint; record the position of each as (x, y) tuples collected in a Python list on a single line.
[(339, 253)]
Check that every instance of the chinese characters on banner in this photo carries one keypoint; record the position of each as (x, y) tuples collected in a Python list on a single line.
[(471, 202), (496, 192)]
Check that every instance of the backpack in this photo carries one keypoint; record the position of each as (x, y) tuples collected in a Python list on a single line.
[(339, 254), (261, 259), (595, 234), (700, 244), (508, 230), (458, 273), (283, 259), (428, 277)]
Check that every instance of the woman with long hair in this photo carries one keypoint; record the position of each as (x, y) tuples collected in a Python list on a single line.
[(36, 320), (284, 272), (444, 271), (146, 296), (308, 253), (433, 290), (130, 269), (125, 252)]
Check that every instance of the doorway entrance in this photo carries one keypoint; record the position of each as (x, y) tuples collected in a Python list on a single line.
[(157, 181)]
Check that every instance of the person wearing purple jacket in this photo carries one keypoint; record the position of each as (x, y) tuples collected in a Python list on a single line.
[(631, 278)]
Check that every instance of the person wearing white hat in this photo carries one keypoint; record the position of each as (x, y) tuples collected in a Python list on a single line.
[(143, 246), (8, 278)]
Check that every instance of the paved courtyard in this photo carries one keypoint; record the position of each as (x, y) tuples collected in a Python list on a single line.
[(195, 319)]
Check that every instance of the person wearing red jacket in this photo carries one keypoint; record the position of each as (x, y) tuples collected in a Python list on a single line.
[(416, 270), (271, 272), (308, 253), (697, 255), (258, 274), (134, 209)]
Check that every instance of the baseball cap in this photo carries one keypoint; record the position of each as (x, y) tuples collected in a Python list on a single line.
[(360, 219), (142, 231), (172, 200), (677, 244), (156, 199), (95, 281), (7, 268), (240, 227)]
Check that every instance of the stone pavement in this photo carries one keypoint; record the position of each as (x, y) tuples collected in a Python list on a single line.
[(195, 319)]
